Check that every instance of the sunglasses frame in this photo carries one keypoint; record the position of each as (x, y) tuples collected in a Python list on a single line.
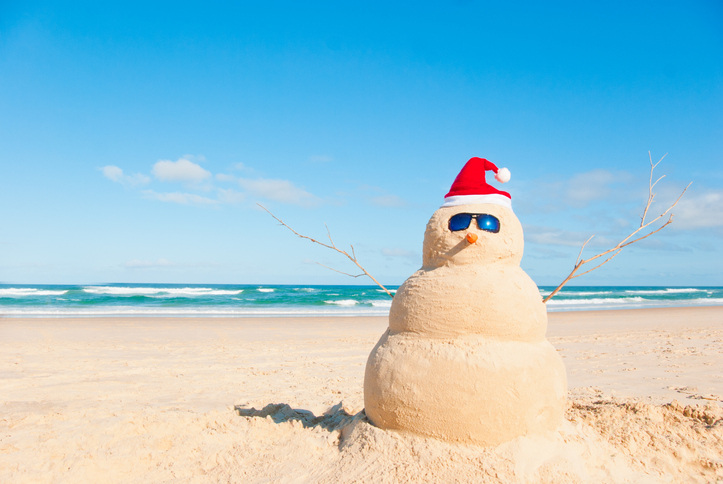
[(475, 216)]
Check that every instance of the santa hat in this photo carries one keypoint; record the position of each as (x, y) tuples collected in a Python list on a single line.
[(470, 185)]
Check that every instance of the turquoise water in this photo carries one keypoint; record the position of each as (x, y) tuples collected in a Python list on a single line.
[(22, 300)]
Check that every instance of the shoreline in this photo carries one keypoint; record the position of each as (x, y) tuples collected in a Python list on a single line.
[(552, 313)]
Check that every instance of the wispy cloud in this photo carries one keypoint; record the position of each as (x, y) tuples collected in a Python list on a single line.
[(230, 196), (380, 197), (242, 167), (116, 174), (195, 178), (579, 191), (223, 177), (566, 238), (389, 201), (699, 210), (112, 173), (180, 198), (278, 190), (592, 186), (182, 170)]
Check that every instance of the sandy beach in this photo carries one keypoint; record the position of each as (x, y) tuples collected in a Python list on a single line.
[(280, 400)]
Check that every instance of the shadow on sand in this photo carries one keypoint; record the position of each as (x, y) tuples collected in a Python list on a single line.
[(333, 419)]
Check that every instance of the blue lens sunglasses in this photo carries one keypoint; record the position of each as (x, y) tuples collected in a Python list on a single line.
[(485, 221)]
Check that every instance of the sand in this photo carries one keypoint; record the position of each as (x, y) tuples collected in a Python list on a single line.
[(280, 400)]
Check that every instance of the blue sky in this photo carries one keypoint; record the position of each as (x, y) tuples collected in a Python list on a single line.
[(137, 138)]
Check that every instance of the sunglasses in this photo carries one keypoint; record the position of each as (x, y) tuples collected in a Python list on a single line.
[(485, 221)]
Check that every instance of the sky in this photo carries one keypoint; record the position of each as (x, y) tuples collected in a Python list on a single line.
[(138, 138)]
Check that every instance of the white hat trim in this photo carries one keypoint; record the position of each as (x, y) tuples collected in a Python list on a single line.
[(494, 198)]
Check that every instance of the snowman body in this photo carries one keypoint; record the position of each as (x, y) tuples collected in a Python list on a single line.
[(465, 357)]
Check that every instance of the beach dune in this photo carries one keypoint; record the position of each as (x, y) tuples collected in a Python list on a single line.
[(281, 400)]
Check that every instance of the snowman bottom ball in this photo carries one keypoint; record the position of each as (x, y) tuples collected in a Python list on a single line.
[(471, 389)]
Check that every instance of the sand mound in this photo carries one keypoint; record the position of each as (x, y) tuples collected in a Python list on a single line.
[(601, 441), (610, 441)]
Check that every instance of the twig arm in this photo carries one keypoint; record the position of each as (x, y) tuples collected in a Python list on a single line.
[(579, 262), (332, 247)]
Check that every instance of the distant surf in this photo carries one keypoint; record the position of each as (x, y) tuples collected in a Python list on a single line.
[(239, 300)]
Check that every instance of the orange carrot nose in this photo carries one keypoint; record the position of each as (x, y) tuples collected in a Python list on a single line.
[(471, 238)]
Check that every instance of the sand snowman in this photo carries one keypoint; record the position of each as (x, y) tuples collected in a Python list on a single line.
[(465, 357)]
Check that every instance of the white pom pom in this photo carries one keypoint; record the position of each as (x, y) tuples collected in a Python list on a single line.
[(502, 175)]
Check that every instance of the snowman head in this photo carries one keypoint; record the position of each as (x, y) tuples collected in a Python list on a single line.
[(472, 234), (476, 223)]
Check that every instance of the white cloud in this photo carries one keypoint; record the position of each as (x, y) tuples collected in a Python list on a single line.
[(113, 173), (230, 196), (180, 198), (380, 198), (199, 180), (700, 210), (242, 167), (278, 190), (116, 174), (591, 186), (585, 187), (550, 195), (388, 201), (553, 236), (182, 170), (222, 177)]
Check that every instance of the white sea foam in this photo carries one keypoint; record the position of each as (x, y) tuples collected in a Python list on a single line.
[(595, 301), (265, 289), (121, 311), (584, 293), (29, 291), (626, 303), (343, 302), (563, 292), (160, 291), (382, 304), (675, 290)]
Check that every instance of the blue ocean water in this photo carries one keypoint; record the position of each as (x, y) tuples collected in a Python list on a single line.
[(22, 300)]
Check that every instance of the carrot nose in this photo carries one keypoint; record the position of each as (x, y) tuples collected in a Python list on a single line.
[(471, 238)]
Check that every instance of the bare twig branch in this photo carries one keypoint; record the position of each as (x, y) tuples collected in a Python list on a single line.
[(328, 233), (579, 262), (579, 256), (651, 185), (599, 265), (332, 247), (341, 272)]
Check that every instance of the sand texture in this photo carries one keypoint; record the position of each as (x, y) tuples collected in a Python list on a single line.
[(280, 400)]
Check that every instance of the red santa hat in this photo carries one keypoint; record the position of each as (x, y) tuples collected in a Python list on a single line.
[(470, 185)]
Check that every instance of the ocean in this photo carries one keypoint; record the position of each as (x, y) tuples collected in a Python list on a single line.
[(239, 300)]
